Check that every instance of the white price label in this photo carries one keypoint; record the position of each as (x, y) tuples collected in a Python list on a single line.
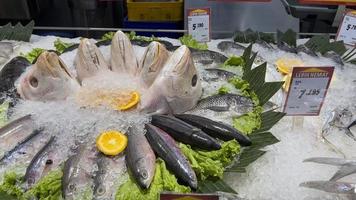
[(347, 29), (307, 90), (199, 24)]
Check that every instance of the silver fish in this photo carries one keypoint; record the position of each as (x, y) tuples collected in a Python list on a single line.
[(226, 102), (140, 159), (207, 57), (219, 74), (110, 169), (36, 168), (331, 186), (77, 172)]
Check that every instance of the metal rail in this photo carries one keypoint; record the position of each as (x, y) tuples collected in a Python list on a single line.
[(149, 30)]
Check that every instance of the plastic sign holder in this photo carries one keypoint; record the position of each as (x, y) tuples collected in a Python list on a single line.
[(176, 196), (347, 29), (307, 91), (199, 24)]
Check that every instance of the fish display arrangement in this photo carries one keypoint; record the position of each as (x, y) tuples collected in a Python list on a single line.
[(168, 85)]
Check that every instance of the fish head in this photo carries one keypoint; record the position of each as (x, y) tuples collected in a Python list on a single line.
[(123, 59), (48, 79), (89, 60), (177, 86), (144, 179), (152, 62)]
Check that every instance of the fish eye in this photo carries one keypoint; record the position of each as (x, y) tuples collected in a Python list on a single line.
[(101, 190), (194, 80), (144, 174), (33, 82), (49, 162)]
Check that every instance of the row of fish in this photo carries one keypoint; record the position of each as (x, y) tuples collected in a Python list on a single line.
[(87, 169)]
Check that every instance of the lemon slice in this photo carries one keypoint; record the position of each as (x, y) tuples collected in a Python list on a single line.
[(287, 78), (111, 142), (132, 101), (285, 65)]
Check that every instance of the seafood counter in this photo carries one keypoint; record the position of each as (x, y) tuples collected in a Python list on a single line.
[(129, 119)]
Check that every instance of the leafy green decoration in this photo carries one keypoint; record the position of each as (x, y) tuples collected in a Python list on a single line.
[(321, 43), (249, 36), (289, 37), (17, 32)]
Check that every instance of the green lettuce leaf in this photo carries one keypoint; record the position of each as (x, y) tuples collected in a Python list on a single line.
[(33, 54), (192, 43), (249, 122), (48, 188), (234, 61), (223, 90), (3, 113), (61, 46), (162, 181), (211, 163), (108, 36), (11, 185)]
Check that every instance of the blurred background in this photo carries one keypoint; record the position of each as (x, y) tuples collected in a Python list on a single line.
[(227, 16)]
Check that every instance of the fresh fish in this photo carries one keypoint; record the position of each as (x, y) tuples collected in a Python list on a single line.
[(220, 74), (341, 119), (36, 168), (14, 133), (331, 186), (11, 72), (347, 167), (89, 61), (286, 47), (334, 57), (231, 47), (167, 149), (185, 132), (140, 159), (152, 62), (110, 169), (177, 88), (47, 79), (226, 102), (264, 44), (207, 57), (215, 129), (304, 49), (77, 172), (123, 57)]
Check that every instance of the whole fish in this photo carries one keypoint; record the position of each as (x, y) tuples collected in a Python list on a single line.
[(89, 61), (36, 168), (140, 159), (77, 172), (107, 178), (48, 79), (226, 102), (123, 58), (166, 148), (220, 74), (11, 72), (177, 87), (215, 129), (331, 186), (207, 57), (15, 134), (185, 132), (231, 47)]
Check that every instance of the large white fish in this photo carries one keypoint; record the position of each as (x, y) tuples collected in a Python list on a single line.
[(48, 79), (177, 87)]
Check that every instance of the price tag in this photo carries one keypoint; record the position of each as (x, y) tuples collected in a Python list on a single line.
[(307, 90), (347, 29), (175, 196), (199, 24)]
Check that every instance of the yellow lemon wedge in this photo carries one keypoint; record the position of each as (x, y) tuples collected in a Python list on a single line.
[(132, 101), (111, 142), (285, 65), (287, 78)]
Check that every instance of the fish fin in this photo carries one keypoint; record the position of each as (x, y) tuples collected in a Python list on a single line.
[(344, 171), (330, 186), (328, 161)]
